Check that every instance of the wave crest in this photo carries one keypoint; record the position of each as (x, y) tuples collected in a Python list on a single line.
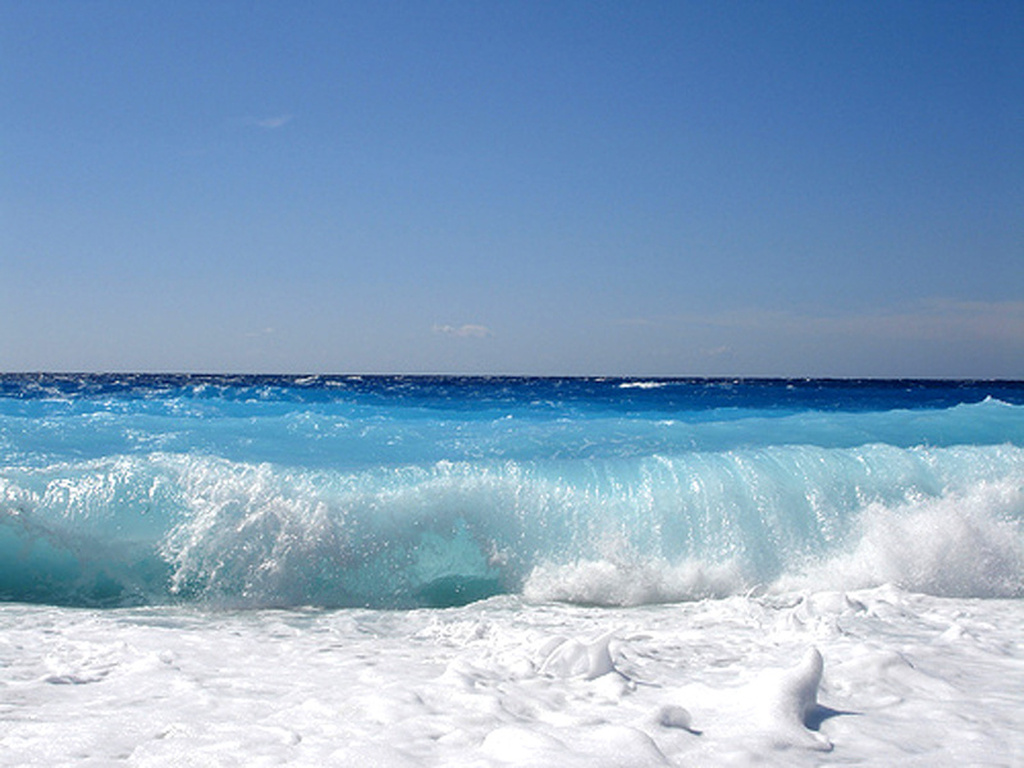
[(957, 545), (618, 532)]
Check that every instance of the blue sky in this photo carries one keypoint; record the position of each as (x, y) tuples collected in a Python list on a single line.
[(682, 188)]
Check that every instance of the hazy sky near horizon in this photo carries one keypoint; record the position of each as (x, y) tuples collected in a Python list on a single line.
[(656, 188)]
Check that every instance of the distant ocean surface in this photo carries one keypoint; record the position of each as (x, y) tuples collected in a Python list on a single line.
[(493, 523)]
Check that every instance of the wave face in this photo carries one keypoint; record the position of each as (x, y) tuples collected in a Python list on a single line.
[(405, 491)]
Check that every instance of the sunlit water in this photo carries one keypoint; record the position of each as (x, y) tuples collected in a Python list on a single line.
[(406, 571)]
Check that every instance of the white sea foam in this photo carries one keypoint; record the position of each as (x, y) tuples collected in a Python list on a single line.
[(958, 545), (643, 384), (614, 582), (875, 677)]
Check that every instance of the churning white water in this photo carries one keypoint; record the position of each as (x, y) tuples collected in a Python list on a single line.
[(873, 677)]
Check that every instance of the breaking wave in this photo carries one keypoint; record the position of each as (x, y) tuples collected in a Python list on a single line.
[(164, 527)]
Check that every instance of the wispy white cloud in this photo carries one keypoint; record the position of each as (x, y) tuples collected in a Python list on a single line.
[(268, 331), (273, 122), (466, 331)]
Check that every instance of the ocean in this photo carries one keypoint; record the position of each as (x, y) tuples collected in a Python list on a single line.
[(490, 571)]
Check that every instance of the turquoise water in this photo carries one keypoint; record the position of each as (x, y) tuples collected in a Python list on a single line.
[(417, 491)]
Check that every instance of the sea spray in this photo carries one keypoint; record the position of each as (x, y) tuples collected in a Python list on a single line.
[(404, 492)]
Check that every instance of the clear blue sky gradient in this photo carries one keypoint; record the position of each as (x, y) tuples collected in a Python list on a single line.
[(681, 188)]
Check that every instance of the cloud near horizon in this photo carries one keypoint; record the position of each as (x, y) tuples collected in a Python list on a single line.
[(938, 337), (930, 319)]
